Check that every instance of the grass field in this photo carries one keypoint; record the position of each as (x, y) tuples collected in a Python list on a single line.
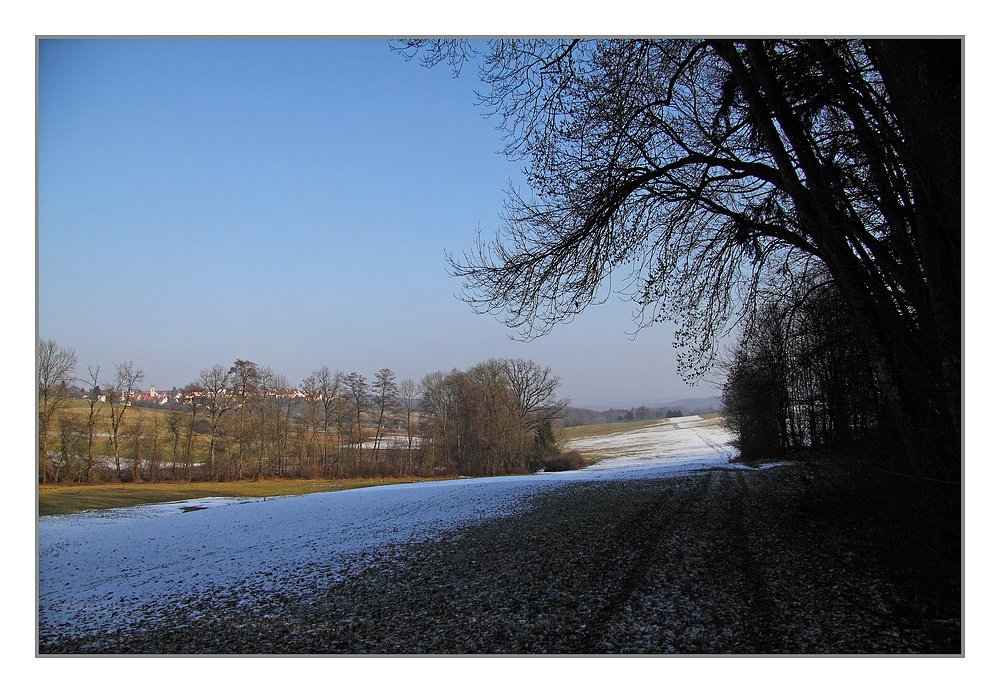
[(577, 432), (79, 408), (59, 500)]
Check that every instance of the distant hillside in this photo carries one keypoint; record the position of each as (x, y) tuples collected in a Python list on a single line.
[(691, 403), (580, 416)]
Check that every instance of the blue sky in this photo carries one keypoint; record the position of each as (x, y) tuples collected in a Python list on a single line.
[(287, 202)]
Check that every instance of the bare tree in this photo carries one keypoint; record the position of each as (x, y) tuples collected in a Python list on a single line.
[(93, 397), (64, 464), (215, 397), (153, 436), (192, 398), (438, 406), (135, 434), (274, 408), (497, 431), (56, 366), (175, 429), (119, 396), (312, 414), (357, 395), (343, 417), (322, 388), (408, 402), (534, 389), (246, 380), (385, 398)]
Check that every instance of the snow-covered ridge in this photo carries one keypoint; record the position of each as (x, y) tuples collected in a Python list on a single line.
[(102, 569)]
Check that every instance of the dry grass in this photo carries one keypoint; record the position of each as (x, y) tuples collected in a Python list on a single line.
[(577, 432), (78, 409), (60, 500)]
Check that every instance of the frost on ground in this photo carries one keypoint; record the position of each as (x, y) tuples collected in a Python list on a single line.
[(671, 550)]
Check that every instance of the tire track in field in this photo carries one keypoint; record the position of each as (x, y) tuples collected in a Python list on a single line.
[(724, 451), (761, 625), (697, 579), (640, 536)]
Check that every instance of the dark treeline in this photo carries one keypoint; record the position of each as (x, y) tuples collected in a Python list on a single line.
[(799, 378), (247, 422)]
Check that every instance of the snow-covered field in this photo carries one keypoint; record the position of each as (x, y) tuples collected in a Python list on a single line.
[(101, 570), (680, 437)]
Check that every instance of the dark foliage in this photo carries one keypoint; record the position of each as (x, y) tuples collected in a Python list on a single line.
[(799, 378)]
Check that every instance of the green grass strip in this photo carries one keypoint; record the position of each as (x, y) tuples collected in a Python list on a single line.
[(60, 500)]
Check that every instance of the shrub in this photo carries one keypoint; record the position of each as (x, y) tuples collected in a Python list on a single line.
[(565, 462)]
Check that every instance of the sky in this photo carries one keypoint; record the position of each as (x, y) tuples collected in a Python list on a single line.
[(288, 202)]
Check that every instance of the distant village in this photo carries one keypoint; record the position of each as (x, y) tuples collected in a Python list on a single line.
[(572, 416), (175, 396)]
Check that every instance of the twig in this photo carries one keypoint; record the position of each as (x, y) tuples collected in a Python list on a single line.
[(919, 478)]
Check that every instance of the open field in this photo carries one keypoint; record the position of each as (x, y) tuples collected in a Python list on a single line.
[(577, 432), (683, 552), (646, 439)]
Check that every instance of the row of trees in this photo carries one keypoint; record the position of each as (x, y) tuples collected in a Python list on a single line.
[(340, 426), (56, 375), (245, 422), (576, 416), (495, 418), (706, 173), (800, 378)]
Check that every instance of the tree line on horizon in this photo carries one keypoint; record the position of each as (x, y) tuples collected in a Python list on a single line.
[(238, 423), (579, 416)]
